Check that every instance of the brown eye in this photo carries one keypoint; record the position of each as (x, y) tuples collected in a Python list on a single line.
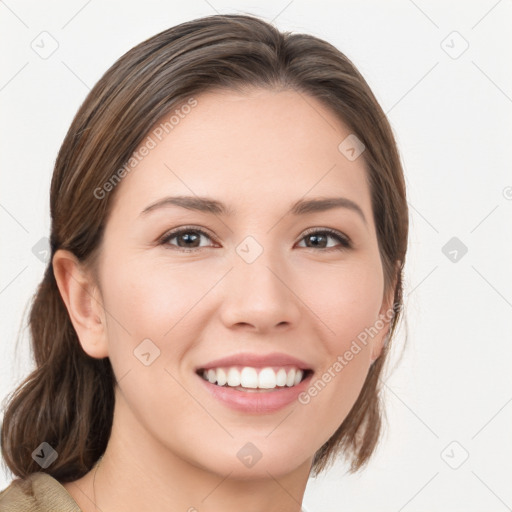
[(189, 239), (320, 239), (186, 238)]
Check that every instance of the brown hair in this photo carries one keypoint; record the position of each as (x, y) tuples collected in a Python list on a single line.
[(68, 400)]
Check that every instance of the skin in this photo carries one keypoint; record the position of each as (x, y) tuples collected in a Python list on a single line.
[(173, 446)]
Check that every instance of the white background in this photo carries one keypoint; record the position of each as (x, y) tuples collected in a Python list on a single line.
[(453, 121)]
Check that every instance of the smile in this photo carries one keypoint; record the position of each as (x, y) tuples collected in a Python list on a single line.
[(255, 383), (252, 379)]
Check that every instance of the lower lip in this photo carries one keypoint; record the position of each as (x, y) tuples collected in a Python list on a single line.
[(259, 402)]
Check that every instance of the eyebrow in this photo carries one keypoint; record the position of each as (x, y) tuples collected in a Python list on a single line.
[(209, 205)]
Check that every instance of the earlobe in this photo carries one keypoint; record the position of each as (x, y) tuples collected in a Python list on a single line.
[(82, 298)]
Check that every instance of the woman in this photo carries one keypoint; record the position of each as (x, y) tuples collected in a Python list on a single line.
[(229, 229)]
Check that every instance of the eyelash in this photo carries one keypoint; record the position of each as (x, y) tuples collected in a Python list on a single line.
[(344, 241)]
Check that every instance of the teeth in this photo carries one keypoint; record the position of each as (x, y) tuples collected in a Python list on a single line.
[(281, 377), (267, 379), (222, 378), (290, 378), (249, 378), (233, 377), (253, 378)]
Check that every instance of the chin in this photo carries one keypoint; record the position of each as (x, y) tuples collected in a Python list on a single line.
[(255, 457)]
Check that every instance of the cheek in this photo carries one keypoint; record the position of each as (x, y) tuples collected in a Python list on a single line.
[(148, 302), (347, 299), (152, 302), (348, 302)]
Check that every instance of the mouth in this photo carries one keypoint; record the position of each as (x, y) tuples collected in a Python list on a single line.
[(255, 384), (251, 379)]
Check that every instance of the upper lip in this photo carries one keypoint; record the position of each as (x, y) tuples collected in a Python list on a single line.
[(256, 361)]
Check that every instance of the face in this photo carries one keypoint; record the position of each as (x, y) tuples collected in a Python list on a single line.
[(246, 289)]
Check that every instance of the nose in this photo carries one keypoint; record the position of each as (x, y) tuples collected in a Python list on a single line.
[(259, 296)]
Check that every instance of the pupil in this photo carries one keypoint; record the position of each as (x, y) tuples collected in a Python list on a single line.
[(187, 237), (316, 239)]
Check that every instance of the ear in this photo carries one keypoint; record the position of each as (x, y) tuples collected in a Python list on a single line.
[(386, 314), (83, 301)]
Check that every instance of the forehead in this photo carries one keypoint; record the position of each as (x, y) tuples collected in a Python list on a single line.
[(247, 150)]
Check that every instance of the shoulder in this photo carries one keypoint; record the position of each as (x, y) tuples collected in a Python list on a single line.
[(39, 492)]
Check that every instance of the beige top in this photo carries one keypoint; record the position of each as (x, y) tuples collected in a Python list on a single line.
[(39, 492)]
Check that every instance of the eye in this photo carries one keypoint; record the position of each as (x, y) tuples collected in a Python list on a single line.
[(188, 238), (319, 239)]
